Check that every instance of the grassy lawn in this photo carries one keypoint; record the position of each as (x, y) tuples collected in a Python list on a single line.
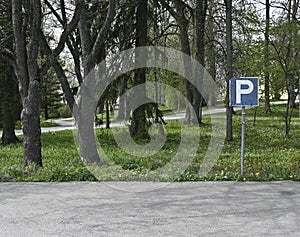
[(268, 155), (44, 124)]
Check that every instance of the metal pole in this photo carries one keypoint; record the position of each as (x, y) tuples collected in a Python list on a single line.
[(243, 139)]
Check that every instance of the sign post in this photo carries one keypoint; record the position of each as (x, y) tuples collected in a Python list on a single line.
[(243, 93), (243, 140)]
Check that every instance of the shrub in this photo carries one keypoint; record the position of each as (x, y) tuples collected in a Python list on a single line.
[(64, 111)]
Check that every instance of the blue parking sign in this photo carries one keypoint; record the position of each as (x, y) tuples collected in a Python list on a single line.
[(244, 91)]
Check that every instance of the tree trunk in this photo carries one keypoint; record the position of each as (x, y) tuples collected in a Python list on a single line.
[(288, 115), (87, 138), (290, 104), (229, 60), (122, 101), (46, 111), (10, 105), (138, 126), (267, 58), (107, 123), (211, 53), (290, 76), (201, 8), (185, 48), (27, 52), (31, 125), (91, 50)]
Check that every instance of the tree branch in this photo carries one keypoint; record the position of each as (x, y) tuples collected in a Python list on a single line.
[(52, 61), (104, 30), (70, 40), (20, 46), (69, 29), (169, 8)]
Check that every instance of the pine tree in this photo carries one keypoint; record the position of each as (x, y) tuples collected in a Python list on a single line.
[(51, 95)]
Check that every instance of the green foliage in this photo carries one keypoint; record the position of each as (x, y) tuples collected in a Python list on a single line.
[(51, 96), (64, 111), (268, 155), (18, 125)]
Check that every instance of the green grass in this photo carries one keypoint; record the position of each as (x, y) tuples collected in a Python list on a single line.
[(48, 124), (44, 124), (268, 155), (61, 161)]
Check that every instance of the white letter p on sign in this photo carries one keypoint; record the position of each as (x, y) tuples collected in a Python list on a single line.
[(240, 91)]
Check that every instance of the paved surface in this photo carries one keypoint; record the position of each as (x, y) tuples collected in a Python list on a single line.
[(177, 209)]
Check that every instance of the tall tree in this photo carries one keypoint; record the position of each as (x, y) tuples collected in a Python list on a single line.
[(93, 51), (183, 23), (286, 46), (10, 98), (10, 103), (211, 50), (27, 70), (201, 8), (125, 35), (26, 60), (179, 12), (267, 58), (138, 126), (229, 60), (51, 94)]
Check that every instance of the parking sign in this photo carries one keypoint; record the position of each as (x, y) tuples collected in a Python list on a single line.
[(244, 91)]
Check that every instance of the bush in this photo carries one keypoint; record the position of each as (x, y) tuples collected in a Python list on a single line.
[(18, 125), (64, 111)]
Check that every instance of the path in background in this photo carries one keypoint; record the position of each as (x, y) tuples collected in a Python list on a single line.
[(67, 124)]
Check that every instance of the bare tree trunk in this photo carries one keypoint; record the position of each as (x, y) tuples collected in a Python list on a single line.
[(28, 76), (91, 51), (29, 39), (213, 72), (267, 56), (179, 13), (10, 105), (185, 48), (290, 104), (107, 123), (228, 4), (295, 53), (288, 115), (211, 52), (201, 8), (293, 6), (122, 101), (31, 125), (138, 126)]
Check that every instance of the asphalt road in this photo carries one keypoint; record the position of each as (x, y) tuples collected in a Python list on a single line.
[(123, 209)]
